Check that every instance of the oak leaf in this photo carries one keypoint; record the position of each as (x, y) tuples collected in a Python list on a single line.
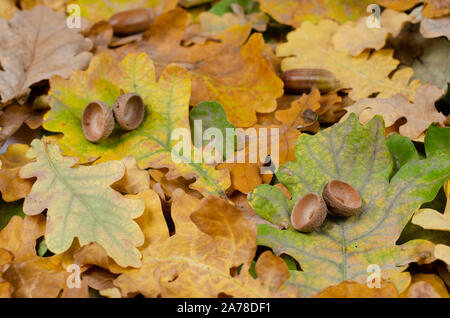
[(12, 186), (80, 203), (355, 37), (433, 28), (419, 115), (294, 12), (101, 10), (7, 9), (135, 180), (212, 240), (426, 286), (167, 106), (28, 274), (246, 85), (343, 248), (354, 290), (310, 46), (32, 50), (433, 8)]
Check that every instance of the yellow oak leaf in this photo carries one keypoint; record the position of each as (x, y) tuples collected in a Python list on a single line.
[(294, 12), (419, 115), (235, 74), (12, 186), (208, 256), (426, 286), (355, 37), (433, 8), (135, 180), (80, 203), (7, 9), (167, 109), (310, 46)]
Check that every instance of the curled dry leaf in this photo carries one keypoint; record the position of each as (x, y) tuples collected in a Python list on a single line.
[(343, 247), (246, 85), (135, 180), (419, 115), (12, 186), (212, 240), (295, 12), (355, 37), (32, 51), (80, 203), (310, 46)]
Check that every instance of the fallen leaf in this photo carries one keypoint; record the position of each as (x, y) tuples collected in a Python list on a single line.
[(354, 290), (419, 115), (81, 204), (135, 180), (433, 66), (433, 8), (311, 46), (7, 9), (294, 12), (101, 10), (426, 286), (246, 85), (355, 37), (212, 240), (343, 248), (12, 186), (14, 116), (33, 51), (433, 28), (167, 106), (8, 210)]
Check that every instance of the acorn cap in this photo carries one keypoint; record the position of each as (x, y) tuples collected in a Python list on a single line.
[(129, 111), (97, 121), (309, 213), (341, 198)]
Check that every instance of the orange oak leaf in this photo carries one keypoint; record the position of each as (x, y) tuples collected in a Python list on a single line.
[(235, 74), (12, 186), (213, 239)]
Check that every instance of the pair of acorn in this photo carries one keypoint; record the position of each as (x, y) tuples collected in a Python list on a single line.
[(311, 210), (98, 118)]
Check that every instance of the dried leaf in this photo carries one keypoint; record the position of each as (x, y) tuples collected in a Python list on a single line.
[(433, 8), (212, 240), (311, 46), (135, 180), (7, 10), (426, 286), (81, 204), (355, 37), (247, 70), (12, 186), (343, 247), (354, 290), (32, 51), (433, 28), (14, 116), (294, 12), (167, 106), (419, 115)]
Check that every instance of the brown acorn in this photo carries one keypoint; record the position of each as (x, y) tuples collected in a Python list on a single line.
[(309, 213), (129, 111), (341, 198), (97, 121), (131, 21)]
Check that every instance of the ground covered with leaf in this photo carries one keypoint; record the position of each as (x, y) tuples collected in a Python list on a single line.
[(331, 91)]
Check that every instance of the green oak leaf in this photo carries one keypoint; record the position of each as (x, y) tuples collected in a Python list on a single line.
[(343, 248), (8, 210), (80, 203), (167, 109), (437, 141)]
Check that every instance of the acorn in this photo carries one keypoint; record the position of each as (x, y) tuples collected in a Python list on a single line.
[(309, 213), (305, 79), (341, 198), (131, 21), (97, 121), (129, 111)]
